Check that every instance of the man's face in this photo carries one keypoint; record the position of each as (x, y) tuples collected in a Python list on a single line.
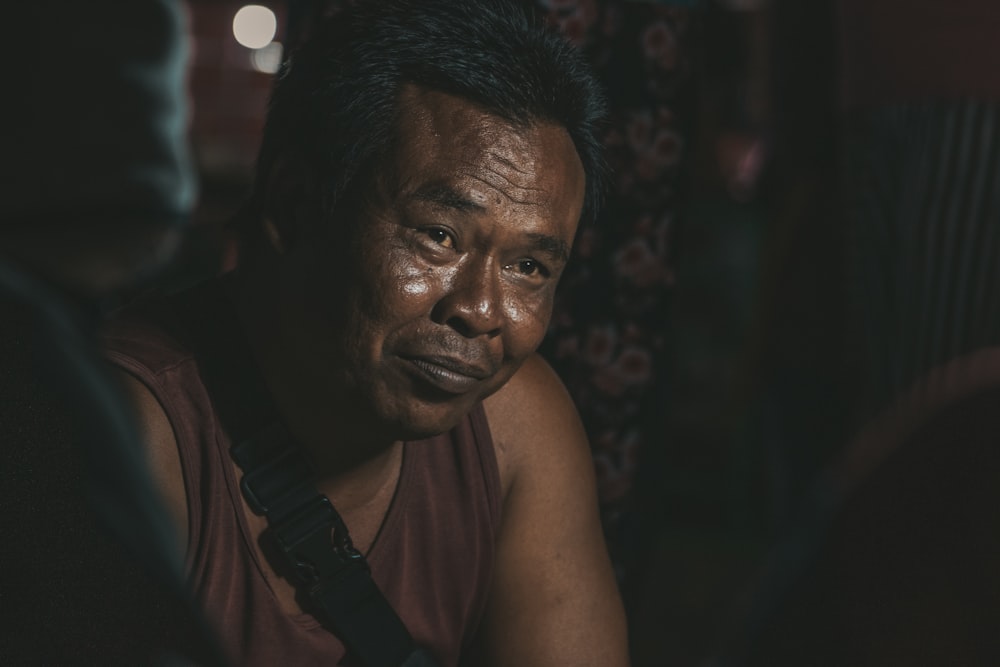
[(454, 261)]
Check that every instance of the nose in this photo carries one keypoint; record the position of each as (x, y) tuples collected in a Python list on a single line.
[(472, 305)]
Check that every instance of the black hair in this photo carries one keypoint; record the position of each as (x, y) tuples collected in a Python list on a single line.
[(333, 108)]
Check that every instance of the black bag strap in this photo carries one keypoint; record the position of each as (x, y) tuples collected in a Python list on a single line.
[(305, 532), (316, 549)]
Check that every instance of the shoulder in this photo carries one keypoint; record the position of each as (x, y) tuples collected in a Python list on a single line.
[(533, 422), (553, 586), (155, 370), (143, 340), (158, 443)]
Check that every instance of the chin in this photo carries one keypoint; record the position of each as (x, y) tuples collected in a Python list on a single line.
[(406, 407), (424, 420)]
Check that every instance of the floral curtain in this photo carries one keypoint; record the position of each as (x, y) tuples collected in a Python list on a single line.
[(609, 332)]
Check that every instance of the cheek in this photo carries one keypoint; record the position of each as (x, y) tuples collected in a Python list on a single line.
[(414, 283), (527, 322), (397, 290)]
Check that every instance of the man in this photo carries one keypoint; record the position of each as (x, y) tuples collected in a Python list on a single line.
[(422, 175)]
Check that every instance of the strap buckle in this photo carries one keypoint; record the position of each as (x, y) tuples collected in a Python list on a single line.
[(277, 478), (315, 543)]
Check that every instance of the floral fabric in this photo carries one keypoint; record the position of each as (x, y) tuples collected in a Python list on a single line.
[(607, 339)]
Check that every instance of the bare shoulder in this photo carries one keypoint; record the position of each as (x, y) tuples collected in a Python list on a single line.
[(535, 392), (553, 585), (160, 447), (533, 418)]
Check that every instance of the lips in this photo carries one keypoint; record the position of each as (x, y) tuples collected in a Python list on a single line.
[(448, 374)]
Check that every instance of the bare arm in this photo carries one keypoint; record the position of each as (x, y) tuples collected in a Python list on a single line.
[(554, 600)]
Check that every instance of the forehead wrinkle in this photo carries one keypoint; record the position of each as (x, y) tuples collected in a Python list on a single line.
[(510, 164), (513, 193), (445, 196), (502, 175), (508, 170), (482, 156)]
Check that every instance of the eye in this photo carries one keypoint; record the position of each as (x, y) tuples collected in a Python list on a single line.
[(441, 237), (531, 268), (527, 266)]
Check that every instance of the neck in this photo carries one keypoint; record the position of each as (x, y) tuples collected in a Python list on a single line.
[(305, 381)]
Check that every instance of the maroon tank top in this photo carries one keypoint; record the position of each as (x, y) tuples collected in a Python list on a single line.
[(433, 557)]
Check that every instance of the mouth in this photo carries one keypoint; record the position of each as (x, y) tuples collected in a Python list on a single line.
[(447, 374)]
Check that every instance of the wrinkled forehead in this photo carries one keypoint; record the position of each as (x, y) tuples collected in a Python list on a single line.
[(447, 137)]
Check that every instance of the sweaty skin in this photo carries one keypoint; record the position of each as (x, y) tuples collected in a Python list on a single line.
[(393, 325), (461, 248)]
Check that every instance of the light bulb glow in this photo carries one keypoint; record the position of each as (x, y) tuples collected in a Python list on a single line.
[(267, 59), (254, 26)]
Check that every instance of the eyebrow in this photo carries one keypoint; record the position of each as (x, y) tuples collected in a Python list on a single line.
[(557, 248)]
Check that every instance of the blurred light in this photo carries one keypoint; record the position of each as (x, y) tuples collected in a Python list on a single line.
[(254, 26), (267, 59)]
